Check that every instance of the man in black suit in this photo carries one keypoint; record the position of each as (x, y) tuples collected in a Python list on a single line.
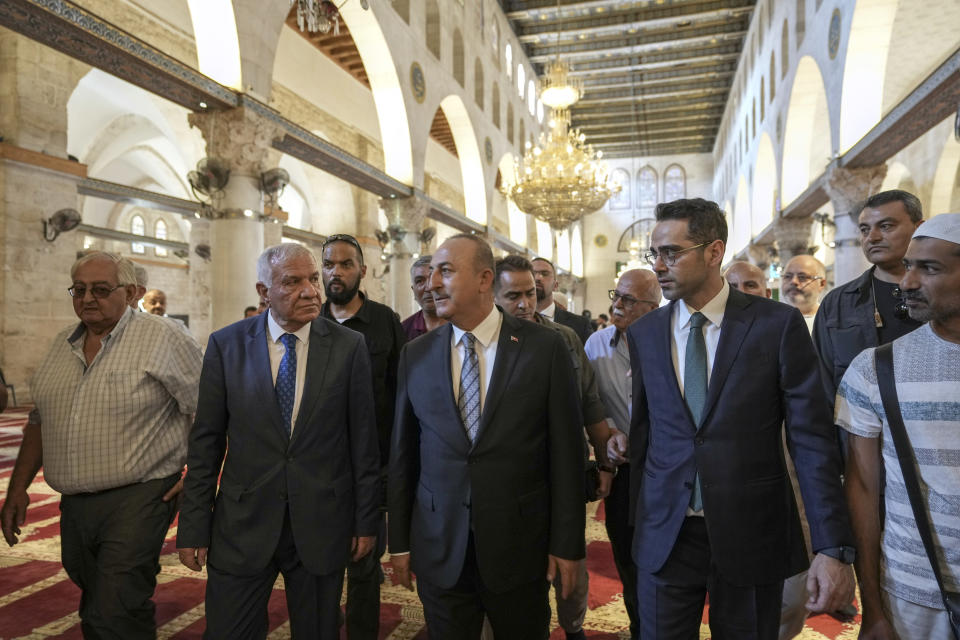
[(546, 276), (485, 485), (299, 492), (717, 375)]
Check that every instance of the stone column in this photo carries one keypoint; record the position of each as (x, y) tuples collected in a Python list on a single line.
[(847, 188), (200, 294), (242, 140), (793, 237), (405, 218), (759, 255)]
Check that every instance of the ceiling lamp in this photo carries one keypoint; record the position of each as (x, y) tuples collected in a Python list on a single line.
[(321, 15), (557, 89), (561, 179)]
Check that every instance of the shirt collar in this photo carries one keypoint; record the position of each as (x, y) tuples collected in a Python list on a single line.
[(275, 331), (361, 313), (550, 312), (115, 332), (713, 309), (484, 332)]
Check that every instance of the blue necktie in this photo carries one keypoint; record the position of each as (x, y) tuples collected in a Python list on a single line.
[(695, 386), (469, 401), (287, 380)]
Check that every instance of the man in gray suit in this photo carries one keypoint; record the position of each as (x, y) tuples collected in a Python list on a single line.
[(299, 487)]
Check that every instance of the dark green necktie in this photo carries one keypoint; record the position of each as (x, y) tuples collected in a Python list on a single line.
[(695, 385)]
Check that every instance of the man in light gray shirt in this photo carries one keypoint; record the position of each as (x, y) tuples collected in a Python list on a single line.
[(114, 397)]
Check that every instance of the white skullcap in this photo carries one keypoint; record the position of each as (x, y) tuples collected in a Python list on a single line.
[(945, 226)]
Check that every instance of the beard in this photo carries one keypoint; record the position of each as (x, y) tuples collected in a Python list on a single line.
[(541, 294), (345, 295)]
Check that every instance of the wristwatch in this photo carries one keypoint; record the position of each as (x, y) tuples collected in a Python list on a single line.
[(846, 555), (609, 468)]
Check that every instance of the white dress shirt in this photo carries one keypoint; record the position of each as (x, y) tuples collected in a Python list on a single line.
[(680, 323), (487, 334), (549, 312), (276, 350)]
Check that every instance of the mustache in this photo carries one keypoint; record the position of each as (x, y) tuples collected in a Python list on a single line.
[(916, 296)]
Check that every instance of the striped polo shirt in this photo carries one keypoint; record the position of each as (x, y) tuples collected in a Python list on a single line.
[(927, 371)]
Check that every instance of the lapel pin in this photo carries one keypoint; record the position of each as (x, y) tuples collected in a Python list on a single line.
[(514, 338)]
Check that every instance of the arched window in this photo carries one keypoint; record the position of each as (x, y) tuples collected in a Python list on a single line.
[(646, 192), (522, 135), (773, 75), (785, 50), (495, 41), (620, 200), (801, 20), (674, 183), (433, 27), (139, 229), (763, 10), (495, 104), (763, 99), (539, 111), (753, 130), (510, 121), (521, 80), (402, 7), (458, 64), (508, 59), (478, 83), (160, 233), (531, 97)]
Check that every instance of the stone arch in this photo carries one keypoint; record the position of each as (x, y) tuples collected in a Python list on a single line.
[(432, 27), (478, 87), (806, 138), (471, 163), (516, 219), (218, 44), (763, 208), (898, 177), (402, 7), (459, 65), (740, 236), (946, 180)]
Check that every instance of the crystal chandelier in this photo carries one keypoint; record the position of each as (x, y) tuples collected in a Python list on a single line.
[(561, 179), (557, 89)]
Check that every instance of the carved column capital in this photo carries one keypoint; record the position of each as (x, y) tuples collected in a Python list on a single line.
[(793, 237), (759, 254), (405, 213), (849, 187), (240, 136)]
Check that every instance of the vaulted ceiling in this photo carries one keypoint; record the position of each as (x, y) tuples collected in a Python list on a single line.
[(656, 73)]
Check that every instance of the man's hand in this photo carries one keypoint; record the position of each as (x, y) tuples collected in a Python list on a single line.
[(568, 574), (617, 446), (401, 570), (604, 480), (174, 491), (13, 515), (829, 583), (878, 628), (361, 546), (193, 558)]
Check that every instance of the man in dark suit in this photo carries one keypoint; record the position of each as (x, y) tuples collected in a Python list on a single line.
[(299, 491), (486, 481), (716, 375), (545, 275)]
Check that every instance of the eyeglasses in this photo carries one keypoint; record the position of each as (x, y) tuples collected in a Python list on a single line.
[(626, 301), (901, 311), (98, 291), (802, 278), (669, 256)]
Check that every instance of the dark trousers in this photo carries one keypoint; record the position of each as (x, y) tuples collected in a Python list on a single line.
[(236, 606), (522, 613), (672, 599), (110, 547), (363, 591), (617, 507)]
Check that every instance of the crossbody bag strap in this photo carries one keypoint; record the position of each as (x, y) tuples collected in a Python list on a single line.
[(883, 357)]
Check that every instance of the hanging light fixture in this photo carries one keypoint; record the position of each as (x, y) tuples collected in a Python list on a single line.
[(320, 16), (561, 179)]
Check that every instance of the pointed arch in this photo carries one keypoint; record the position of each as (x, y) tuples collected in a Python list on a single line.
[(468, 150), (459, 66), (432, 26), (806, 136), (478, 88), (763, 208)]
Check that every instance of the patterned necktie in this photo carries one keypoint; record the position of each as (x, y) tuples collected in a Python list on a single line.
[(469, 401), (695, 386), (287, 380)]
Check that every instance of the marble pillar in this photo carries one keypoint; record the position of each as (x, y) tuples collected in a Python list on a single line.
[(793, 237), (241, 139), (847, 188), (405, 217)]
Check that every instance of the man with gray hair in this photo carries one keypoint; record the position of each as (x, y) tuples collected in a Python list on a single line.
[(299, 486), (425, 319), (141, 275), (113, 397)]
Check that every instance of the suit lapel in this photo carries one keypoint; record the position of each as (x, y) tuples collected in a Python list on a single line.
[(318, 357), (665, 342), (737, 319), (508, 349), (263, 377)]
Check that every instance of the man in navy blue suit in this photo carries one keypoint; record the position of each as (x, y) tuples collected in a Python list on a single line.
[(717, 374)]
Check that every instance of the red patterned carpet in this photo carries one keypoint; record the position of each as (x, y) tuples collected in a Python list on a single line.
[(37, 601)]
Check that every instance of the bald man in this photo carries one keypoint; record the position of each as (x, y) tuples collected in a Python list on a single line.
[(748, 278), (637, 294), (803, 281)]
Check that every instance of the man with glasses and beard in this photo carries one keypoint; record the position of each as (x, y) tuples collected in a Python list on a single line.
[(342, 269), (801, 285)]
